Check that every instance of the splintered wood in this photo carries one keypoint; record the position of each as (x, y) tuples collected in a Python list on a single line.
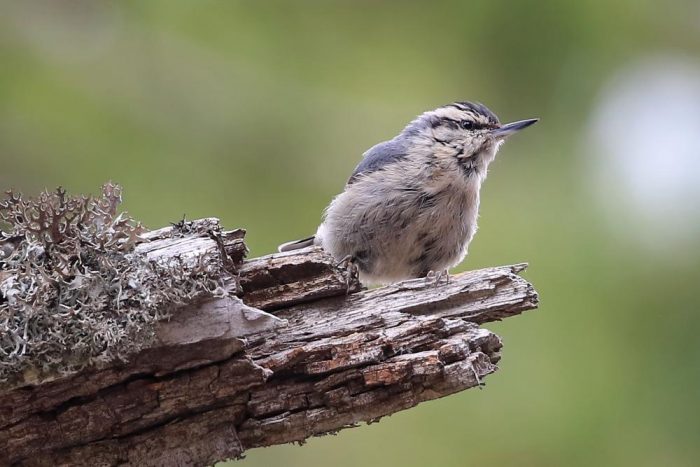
[(225, 376)]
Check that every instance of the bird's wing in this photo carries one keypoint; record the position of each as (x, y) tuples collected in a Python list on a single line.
[(378, 157)]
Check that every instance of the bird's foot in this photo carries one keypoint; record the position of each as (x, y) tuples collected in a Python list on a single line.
[(435, 277), (352, 272)]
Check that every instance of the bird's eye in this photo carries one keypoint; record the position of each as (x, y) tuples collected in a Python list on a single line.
[(467, 124)]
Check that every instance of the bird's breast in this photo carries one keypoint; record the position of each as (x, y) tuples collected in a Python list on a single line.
[(403, 225)]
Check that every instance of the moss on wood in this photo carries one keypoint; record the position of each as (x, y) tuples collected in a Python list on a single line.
[(75, 292)]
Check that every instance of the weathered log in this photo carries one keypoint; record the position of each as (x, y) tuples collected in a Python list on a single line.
[(223, 376)]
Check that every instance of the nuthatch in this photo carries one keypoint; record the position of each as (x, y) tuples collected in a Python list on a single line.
[(410, 207)]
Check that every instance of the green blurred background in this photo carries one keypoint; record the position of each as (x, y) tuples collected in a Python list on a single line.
[(257, 112)]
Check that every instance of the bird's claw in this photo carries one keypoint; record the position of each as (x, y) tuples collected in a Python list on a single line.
[(352, 272), (435, 277)]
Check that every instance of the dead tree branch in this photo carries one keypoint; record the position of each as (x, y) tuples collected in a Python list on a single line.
[(225, 376)]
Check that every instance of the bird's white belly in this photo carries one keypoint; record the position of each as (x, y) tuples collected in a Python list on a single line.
[(397, 237), (433, 242)]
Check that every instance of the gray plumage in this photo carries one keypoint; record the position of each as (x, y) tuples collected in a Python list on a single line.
[(411, 205), (379, 156)]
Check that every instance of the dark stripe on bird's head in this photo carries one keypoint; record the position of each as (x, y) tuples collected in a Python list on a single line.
[(443, 121), (477, 108)]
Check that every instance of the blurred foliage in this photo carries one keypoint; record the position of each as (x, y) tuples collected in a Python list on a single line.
[(256, 112)]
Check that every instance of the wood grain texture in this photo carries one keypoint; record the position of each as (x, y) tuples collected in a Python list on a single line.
[(225, 376)]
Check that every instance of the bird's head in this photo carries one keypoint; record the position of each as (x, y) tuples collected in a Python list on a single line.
[(463, 130)]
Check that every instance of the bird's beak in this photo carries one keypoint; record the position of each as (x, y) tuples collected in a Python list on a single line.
[(510, 128)]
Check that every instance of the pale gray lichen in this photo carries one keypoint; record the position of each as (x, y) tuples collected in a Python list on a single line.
[(73, 289)]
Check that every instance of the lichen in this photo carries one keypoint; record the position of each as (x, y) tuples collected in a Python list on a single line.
[(74, 291)]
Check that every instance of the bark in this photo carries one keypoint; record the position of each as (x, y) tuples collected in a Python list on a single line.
[(226, 376)]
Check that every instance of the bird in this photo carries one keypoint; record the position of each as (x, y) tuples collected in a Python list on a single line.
[(410, 207)]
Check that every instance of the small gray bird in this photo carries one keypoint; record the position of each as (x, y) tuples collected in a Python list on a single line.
[(410, 207)]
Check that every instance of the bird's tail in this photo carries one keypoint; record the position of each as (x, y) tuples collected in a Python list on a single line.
[(296, 244)]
